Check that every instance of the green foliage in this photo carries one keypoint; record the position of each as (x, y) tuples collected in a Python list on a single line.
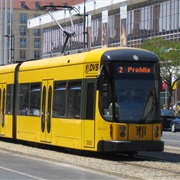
[(169, 56), (166, 50)]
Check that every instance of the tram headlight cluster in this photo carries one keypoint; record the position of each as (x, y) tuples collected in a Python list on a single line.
[(122, 131), (156, 131)]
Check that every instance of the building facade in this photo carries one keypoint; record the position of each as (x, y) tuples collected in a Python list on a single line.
[(17, 43), (112, 23)]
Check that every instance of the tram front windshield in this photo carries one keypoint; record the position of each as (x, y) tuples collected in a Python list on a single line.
[(131, 96)]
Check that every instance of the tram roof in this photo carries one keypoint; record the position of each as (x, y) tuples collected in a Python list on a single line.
[(95, 55), (7, 68)]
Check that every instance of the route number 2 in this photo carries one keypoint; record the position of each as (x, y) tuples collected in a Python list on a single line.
[(120, 69)]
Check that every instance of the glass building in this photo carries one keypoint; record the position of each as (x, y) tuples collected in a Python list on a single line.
[(129, 21)]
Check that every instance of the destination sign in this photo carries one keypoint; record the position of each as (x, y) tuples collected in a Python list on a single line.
[(134, 70)]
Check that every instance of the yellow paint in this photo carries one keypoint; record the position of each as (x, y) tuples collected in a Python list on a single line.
[(28, 128), (143, 132), (88, 133), (67, 132)]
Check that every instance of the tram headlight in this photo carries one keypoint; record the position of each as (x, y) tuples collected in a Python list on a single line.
[(156, 129), (122, 128), (156, 134), (122, 134), (122, 131)]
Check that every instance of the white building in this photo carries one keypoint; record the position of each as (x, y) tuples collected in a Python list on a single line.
[(110, 23)]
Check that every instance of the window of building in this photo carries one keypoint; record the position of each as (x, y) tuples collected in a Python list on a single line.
[(78, 42), (152, 19), (9, 17), (23, 18), (96, 27), (37, 5), (22, 55), (37, 32), (22, 42), (37, 43), (114, 27), (8, 30), (22, 30), (53, 39), (36, 54), (23, 4)]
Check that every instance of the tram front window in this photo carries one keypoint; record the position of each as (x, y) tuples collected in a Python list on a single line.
[(133, 99), (136, 100)]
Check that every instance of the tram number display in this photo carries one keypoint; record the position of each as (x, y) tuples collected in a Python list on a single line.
[(134, 70)]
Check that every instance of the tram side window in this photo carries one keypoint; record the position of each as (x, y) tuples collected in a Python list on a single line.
[(30, 99), (59, 99), (105, 100), (24, 99), (9, 99), (67, 98), (35, 95), (73, 99)]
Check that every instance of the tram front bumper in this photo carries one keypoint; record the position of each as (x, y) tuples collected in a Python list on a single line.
[(127, 146)]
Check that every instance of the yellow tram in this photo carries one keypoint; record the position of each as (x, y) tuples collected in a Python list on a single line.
[(104, 100), (7, 78)]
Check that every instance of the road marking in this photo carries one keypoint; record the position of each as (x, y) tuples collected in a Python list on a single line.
[(170, 140), (17, 172), (171, 133)]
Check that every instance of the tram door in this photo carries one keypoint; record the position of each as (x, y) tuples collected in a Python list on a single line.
[(46, 110), (2, 107)]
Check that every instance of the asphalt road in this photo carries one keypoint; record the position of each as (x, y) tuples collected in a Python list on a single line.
[(15, 166), (171, 139)]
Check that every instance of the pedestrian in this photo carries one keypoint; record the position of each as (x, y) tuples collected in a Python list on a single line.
[(178, 109), (164, 107)]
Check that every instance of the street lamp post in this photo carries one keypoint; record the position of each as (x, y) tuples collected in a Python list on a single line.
[(10, 38), (84, 33)]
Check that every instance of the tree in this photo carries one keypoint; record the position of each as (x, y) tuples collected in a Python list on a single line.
[(169, 55)]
